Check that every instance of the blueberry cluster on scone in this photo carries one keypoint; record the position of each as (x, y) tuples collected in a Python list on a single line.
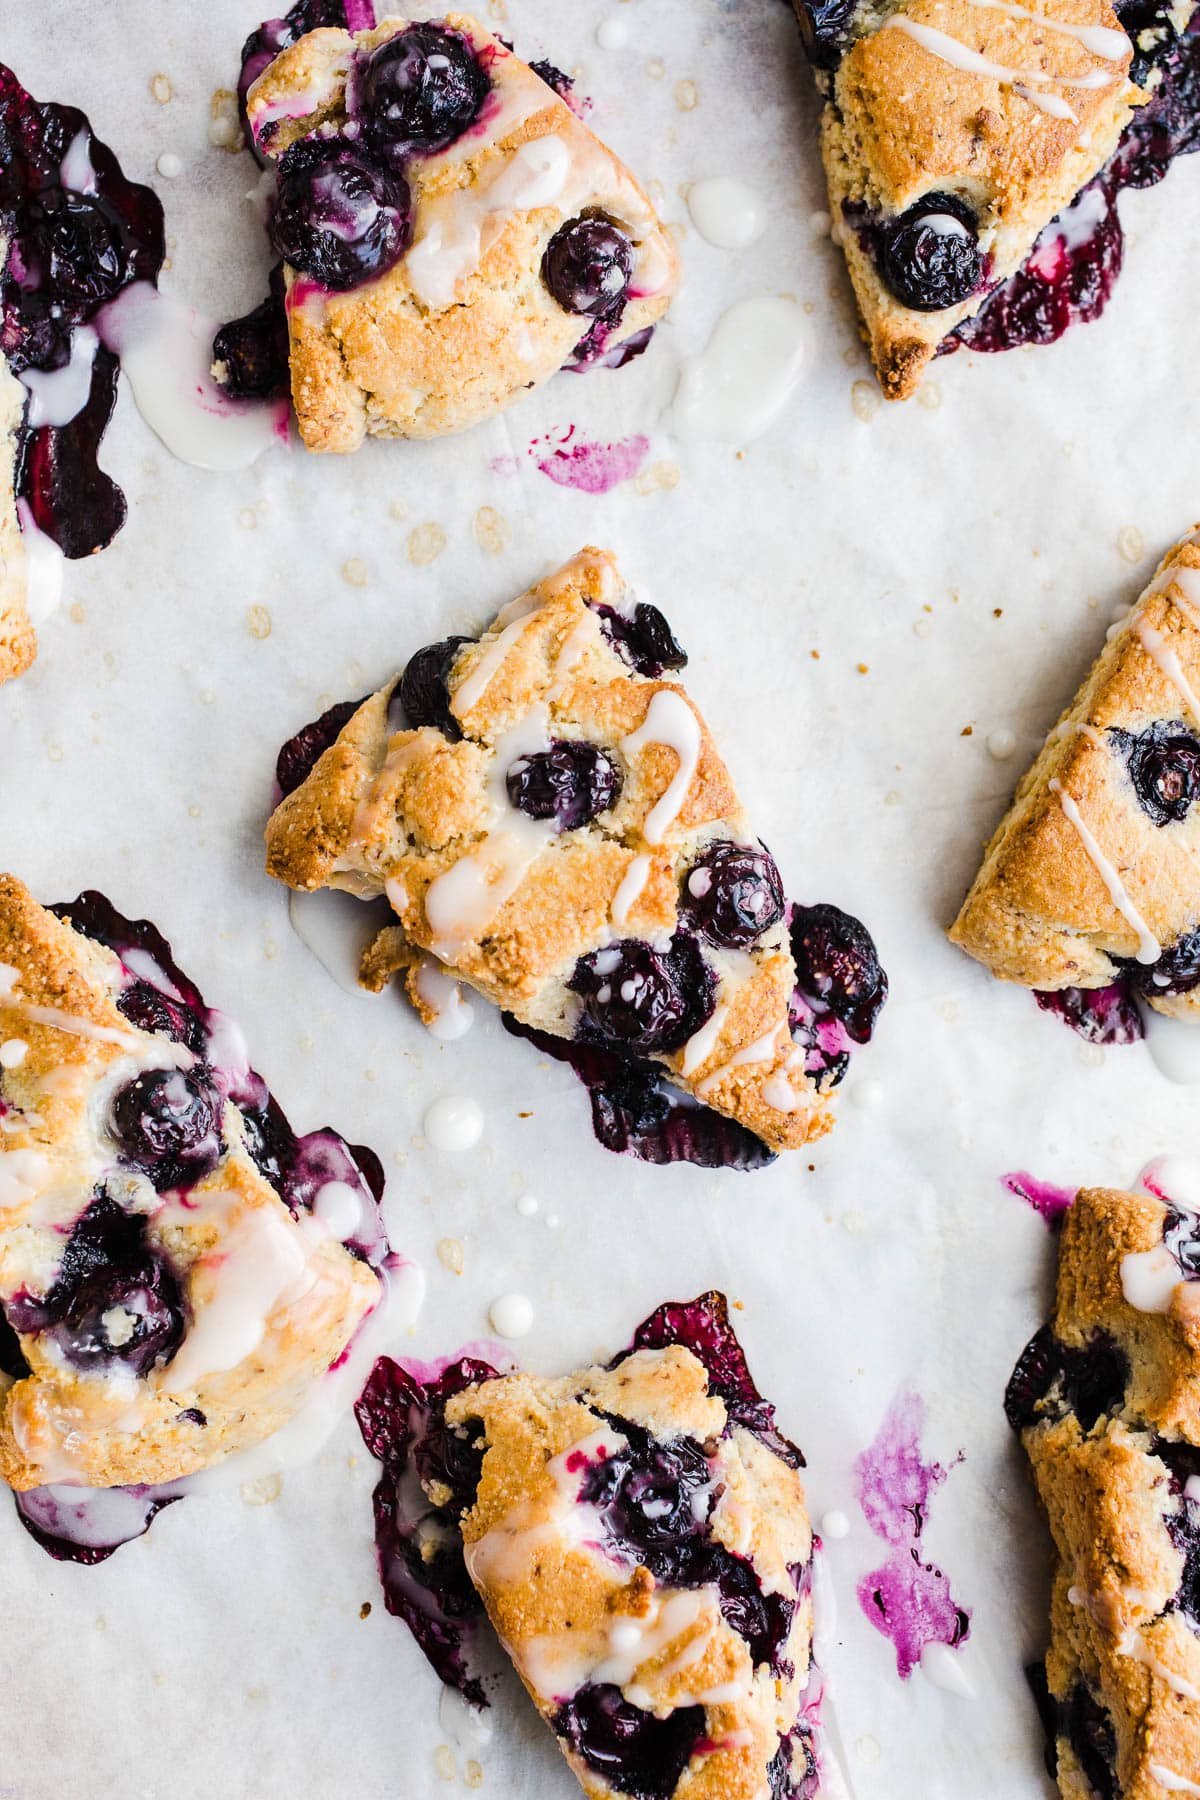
[(638, 1537), (551, 822), (74, 232), (953, 132), (1093, 876), (177, 1269), (452, 233), (1107, 1403)]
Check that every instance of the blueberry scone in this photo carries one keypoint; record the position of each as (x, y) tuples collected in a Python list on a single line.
[(451, 232), (638, 1537), (1094, 874), (551, 822), (177, 1269), (1107, 1404), (953, 131)]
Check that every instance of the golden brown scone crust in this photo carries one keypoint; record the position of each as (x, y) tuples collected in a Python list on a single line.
[(441, 342), (107, 1428), (394, 812), (1040, 911), (18, 639), (560, 1608), (1110, 1496), (902, 121)]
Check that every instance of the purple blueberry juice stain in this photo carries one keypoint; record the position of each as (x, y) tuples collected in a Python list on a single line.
[(1107, 1015), (76, 233), (906, 1599), (1050, 1202), (170, 1136), (591, 467)]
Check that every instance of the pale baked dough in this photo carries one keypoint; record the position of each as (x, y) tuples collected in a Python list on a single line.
[(104, 1427), (392, 811), (397, 357), (1042, 910)]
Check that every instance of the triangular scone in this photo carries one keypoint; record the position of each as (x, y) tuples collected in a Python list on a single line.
[(953, 132), (1107, 1402), (479, 195), (1094, 874), (165, 1301), (645, 1558), (18, 639), (559, 831)]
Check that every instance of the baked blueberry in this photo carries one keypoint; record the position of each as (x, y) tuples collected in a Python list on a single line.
[(250, 354), (150, 1009), (837, 965), (1164, 766), (642, 638), (301, 754), (167, 1123), (1052, 1378), (337, 216), (1177, 970), (929, 257), (422, 691), (825, 30), (732, 894), (419, 90), (571, 783), (588, 266), (648, 1001), (640, 1755), (84, 259)]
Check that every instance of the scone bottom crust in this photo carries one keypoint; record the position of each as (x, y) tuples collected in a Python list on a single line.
[(551, 823), (636, 1538), (178, 1269)]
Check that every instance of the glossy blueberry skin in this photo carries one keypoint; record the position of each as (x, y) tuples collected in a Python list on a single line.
[(647, 1001), (150, 1010), (419, 91), (643, 639), (825, 30), (924, 264), (1107, 1015), (732, 894), (571, 782), (337, 216), (639, 1755), (1164, 767), (838, 966), (1177, 970), (422, 692), (588, 266), (1052, 1379), (167, 1123)]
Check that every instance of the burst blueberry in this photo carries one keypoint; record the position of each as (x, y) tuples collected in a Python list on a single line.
[(301, 754), (645, 1000), (838, 967), (642, 638), (1164, 766), (167, 1123), (571, 782), (732, 894), (419, 90), (929, 257), (1052, 1379), (151, 1010), (636, 1753), (337, 216), (588, 266), (423, 692)]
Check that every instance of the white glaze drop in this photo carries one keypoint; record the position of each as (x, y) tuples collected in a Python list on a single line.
[(1178, 1177), (727, 212), (669, 721), (1149, 1279), (453, 1123), (511, 1315), (742, 380), (834, 1525), (22, 1173), (943, 1666), (1001, 743), (166, 352), (169, 165), (528, 1205), (1149, 949), (338, 1207), (1167, 1778), (612, 34), (76, 171)]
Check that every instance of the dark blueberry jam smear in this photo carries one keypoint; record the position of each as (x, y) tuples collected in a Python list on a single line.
[(115, 1301), (1053, 1379), (76, 233), (250, 354), (637, 1753), (1070, 273)]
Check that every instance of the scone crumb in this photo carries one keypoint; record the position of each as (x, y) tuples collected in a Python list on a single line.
[(248, 518), (967, 731), (498, 9), (258, 621), (863, 668), (399, 509), (364, 1611), (687, 96), (493, 532), (425, 543), (444, 1763), (451, 1254), (1131, 545), (354, 572), (161, 88)]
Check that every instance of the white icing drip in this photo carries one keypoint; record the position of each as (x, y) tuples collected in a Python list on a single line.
[(760, 1051), (960, 56), (1100, 40), (1167, 1778), (1054, 104), (941, 1665), (13, 1052), (1191, 1488), (1134, 1646), (742, 380), (702, 1043), (557, 1665), (1149, 1279), (22, 1173), (834, 1524), (331, 925), (779, 1092), (669, 721), (1173, 1046), (451, 242), (45, 566), (72, 1023), (166, 353), (469, 1727), (1149, 949), (444, 997), (338, 1207), (726, 212), (57, 395), (259, 1266), (471, 690), (631, 888), (581, 636), (1156, 647)]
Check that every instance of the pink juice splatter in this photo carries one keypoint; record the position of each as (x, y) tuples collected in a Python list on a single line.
[(593, 468), (1049, 1201), (907, 1599)]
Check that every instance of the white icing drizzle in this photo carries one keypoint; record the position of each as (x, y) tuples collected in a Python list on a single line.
[(453, 1016), (58, 1020), (740, 383), (727, 212), (760, 1051), (258, 1266), (1149, 1279), (1100, 40), (472, 689), (1134, 1646), (631, 888), (57, 395), (702, 1043), (557, 1665), (22, 1173), (577, 641), (1167, 1778), (1054, 104), (960, 56), (1157, 648), (1149, 949), (451, 242), (669, 721)]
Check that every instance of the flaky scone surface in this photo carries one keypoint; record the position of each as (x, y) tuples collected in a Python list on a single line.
[(1108, 1403), (1080, 883), (18, 639), (1010, 110), (463, 324), (577, 1610), (510, 906), (268, 1300)]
